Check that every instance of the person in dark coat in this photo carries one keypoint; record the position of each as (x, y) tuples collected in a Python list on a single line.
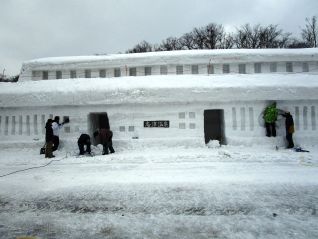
[(84, 140), (105, 136), (49, 139), (289, 124)]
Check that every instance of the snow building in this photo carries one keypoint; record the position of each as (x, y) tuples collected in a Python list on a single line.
[(177, 97)]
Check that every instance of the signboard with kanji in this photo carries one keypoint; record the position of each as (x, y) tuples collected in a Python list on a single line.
[(156, 124)]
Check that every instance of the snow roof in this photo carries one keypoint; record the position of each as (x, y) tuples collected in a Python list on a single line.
[(184, 55), (160, 89)]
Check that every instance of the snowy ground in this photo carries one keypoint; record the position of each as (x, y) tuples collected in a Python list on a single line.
[(180, 192)]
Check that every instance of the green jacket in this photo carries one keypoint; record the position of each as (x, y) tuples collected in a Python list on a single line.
[(270, 114)]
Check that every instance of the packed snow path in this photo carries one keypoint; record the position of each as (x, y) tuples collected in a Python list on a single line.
[(227, 192)]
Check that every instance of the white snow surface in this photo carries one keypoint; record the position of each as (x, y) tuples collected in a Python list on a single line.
[(149, 89), (160, 192), (191, 55)]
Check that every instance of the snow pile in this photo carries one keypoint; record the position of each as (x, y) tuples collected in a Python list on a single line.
[(213, 144)]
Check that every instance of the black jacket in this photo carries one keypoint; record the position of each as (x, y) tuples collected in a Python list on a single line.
[(84, 139), (48, 132), (289, 122)]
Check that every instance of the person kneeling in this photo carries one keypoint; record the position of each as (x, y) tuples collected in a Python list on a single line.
[(84, 140)]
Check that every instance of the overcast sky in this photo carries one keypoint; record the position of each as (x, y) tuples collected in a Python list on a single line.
[(43, 28)]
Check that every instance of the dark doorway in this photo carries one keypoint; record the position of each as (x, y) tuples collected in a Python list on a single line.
[(214, 126), (97, 121)]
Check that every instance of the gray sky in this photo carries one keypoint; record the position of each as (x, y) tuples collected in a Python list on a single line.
[(43, 28)]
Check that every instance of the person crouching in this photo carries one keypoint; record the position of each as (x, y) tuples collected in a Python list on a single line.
[(84, 140), (105, 136)]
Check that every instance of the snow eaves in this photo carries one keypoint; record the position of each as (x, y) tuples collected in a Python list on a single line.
[(160, 89)]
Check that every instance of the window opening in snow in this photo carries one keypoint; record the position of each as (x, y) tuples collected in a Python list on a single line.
[(242, 68), (45, 75), (179, 69), (35, 124), (76, 128), (297, 117), (305, 112), (67, 127), (20, 125), (147, 70), (214, 125), (226, 68), (73, 74), (243, 117), (257, 68), (273, 67), (195, 69), (36, 74), (251, 118), (192, 125), (192, 115), (43, 123), (102, 73), (181, 115), (305, 67), (6, 125), (117, 72), (313, 118), (289, 67), (88, 73), (13, 126), (121, 128), (28, 132), (234, 120), (182, 125), (210, 68), (163, 70), (58, 74), (131, 128), (133, 71)]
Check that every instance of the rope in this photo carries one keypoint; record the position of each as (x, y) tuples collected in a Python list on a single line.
[(42, 166)]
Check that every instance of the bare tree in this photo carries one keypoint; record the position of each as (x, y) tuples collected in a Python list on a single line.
[(170, 44), (187, 41), (272, 37), (141, 47), (295, 43), (227, 42), (261, 37), (310, 32), (198, 38), (247, 37), (213, 36)]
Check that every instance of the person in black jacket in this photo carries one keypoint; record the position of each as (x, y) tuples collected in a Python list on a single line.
[(105, 136), (83, 140), (289, 124), (49, 139)]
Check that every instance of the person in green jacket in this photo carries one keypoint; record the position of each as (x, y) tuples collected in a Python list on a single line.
[(270, 117)]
